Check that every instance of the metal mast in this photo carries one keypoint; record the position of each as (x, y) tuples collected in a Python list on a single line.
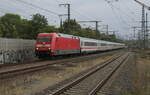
[(143, 30)]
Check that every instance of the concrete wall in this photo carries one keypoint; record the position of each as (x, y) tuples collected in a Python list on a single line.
[(16, 50)]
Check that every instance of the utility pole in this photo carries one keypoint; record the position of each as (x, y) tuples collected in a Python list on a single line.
[(143, 26), (68, 6), (143, 22), (107, 29), (139, 35), (134, 29), (96, 25), (114, 32), (145, 6), (61, 20), (107, 32), (147, 27), (135, 41), (146, 31)]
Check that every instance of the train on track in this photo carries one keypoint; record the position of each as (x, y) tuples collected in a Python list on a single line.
[(53, 44)]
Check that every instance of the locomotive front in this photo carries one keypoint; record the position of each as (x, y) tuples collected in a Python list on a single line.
[(44, 44)]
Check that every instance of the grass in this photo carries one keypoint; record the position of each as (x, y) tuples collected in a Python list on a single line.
[(31, 84), (142, 77)]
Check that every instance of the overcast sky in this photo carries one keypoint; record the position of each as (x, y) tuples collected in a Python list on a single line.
[(120, 15)]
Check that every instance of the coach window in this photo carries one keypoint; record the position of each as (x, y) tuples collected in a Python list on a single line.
[(103, 44), (86, 43), (82, 43), (99, 44), (95, 44), (90, 44)]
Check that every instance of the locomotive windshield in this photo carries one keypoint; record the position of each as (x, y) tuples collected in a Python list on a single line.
[(44, 39)]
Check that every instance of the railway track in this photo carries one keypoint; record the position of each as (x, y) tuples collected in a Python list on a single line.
[(55, 58), (32, 67), (93, 80)]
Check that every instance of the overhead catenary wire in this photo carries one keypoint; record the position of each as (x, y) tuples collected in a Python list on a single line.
[(4, 11), (119, 16), (131, 10), (126, 14), (83, 15), (35, 6), (9, 8), (116, 14), (47, 12), (77, 12), (24, 10)]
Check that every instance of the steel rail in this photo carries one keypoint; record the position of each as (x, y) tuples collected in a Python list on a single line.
[(11, 73), (103, 82), (78, 80)]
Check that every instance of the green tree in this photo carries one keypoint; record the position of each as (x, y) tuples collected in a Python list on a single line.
[(89, 33), (71, 27), (1, 29), (12, 26), (24, 30), (48, 29), (0, 32), (9, 25), (37, 23)]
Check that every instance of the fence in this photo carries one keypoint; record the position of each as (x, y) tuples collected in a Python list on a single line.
[(16, 50)]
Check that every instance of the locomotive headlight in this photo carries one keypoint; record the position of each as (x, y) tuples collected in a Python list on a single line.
[(37, 48), (49, 48)]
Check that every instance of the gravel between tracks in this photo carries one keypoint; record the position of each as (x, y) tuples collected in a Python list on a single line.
[(122, 81), (85, 86), (34, 82), (132, 78)]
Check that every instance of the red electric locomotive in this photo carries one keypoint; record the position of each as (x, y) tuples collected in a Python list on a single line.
[(62, 44), (56, 44)]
